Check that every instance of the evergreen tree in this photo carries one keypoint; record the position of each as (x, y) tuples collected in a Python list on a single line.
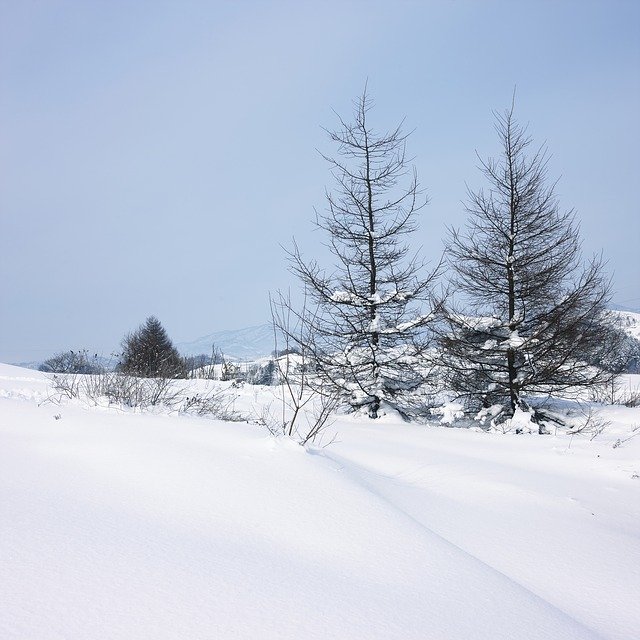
[(148, 352)]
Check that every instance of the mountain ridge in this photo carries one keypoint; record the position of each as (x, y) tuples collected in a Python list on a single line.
[(247, 343)]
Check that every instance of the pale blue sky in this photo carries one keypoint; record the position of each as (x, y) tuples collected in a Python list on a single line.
[(154, 155)]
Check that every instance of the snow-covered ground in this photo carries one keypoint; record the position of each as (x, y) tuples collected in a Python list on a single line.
[(123, 525)]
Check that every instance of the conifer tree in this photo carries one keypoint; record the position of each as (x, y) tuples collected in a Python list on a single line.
[(148, 352), (533, 311), (366, 323)]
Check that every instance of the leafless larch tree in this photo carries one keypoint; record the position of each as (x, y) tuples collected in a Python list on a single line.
[(534, 311), (366, 321)]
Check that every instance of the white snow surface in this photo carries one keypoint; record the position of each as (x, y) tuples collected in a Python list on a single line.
[(123, 525)]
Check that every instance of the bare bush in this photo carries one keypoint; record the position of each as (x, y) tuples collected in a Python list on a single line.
[(318, 419), (67, 385), (303, 418), (118, 388), (306, 401), (217, 404), (591, 423), (615, 392)]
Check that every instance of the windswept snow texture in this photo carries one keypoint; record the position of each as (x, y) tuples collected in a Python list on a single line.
[(119, 525)]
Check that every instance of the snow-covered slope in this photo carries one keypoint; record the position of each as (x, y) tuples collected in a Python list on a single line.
[(120, 525), (249, 343), (630, 322)]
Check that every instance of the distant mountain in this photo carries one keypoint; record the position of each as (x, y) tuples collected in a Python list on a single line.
[(240, 344), (34, 364), (255, 342)]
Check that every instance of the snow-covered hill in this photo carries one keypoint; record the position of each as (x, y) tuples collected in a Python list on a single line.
[(630, 322), (121, 525), (249, 343)]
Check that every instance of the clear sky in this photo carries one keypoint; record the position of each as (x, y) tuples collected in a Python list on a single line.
[(155, 155)]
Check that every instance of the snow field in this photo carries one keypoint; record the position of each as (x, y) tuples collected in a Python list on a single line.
[(116, 524)]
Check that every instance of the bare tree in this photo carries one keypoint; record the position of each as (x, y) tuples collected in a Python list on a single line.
[(306, 404), (537, 310), (366, 326)]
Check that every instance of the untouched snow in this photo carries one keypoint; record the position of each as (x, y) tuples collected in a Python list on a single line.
[(122, 525)]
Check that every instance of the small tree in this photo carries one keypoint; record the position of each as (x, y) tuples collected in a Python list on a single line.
[(536, 312), (366, 323), (148, 352)]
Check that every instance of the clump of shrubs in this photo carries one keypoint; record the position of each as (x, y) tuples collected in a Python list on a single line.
[(72, 362)]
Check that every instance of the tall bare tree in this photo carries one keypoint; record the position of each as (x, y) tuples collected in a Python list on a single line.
[(535, 310), (366, 321)]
